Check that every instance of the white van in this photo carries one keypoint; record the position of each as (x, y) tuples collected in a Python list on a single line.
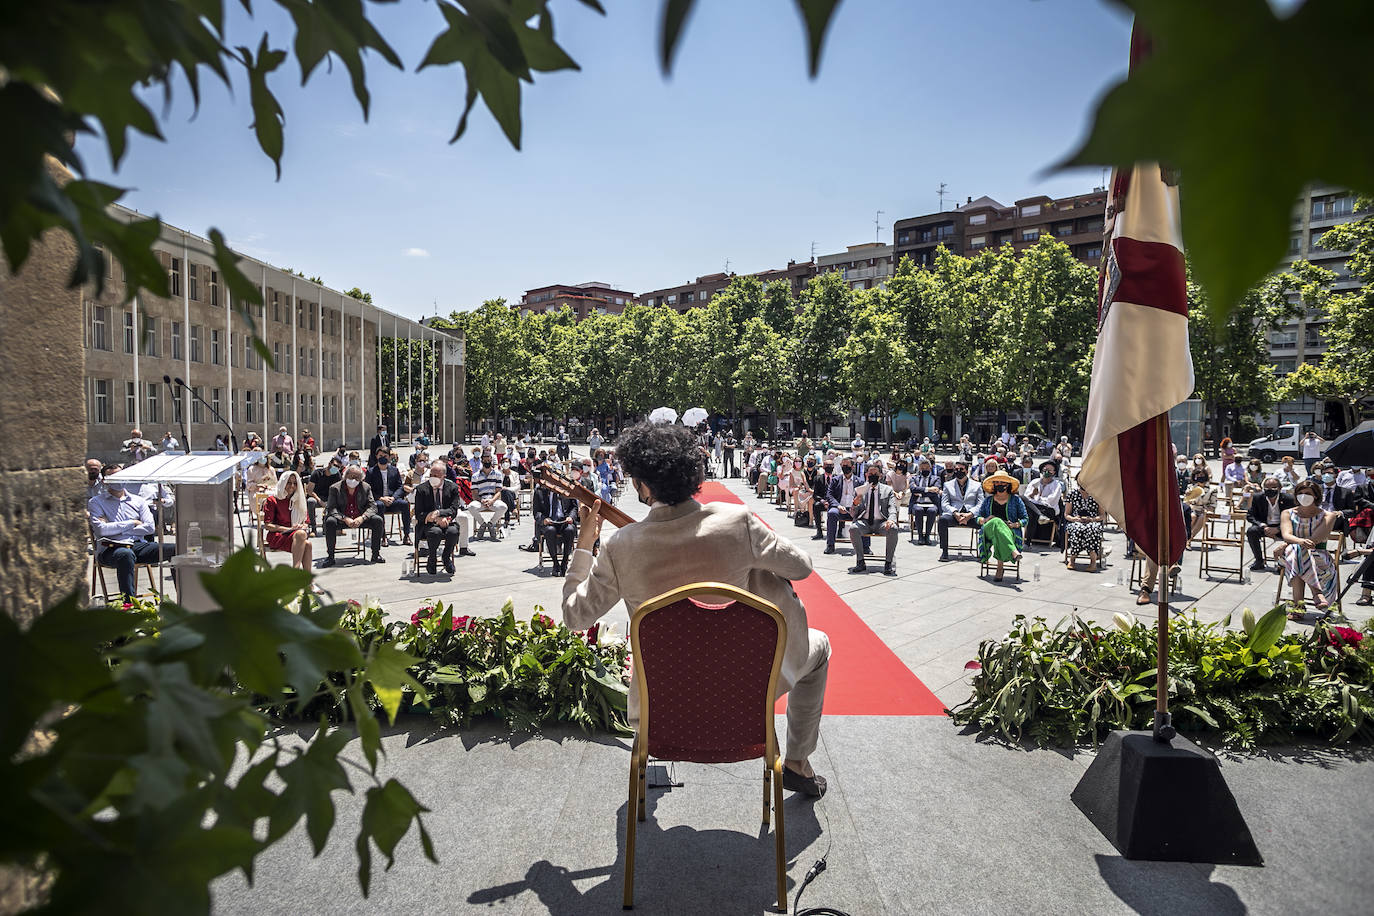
[(1286, 440)]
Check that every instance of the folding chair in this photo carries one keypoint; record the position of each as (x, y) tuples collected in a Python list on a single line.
[(1136, 581), (987, 566), (98, 571), (1337, 556), (1034, 528), (1217, 538), (677, 640), (260, 523), (970, 547)]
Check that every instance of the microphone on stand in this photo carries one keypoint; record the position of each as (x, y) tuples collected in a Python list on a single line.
[(181, 418), (233, 440)]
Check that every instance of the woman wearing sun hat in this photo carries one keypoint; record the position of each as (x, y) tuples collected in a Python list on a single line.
[(1002, 520)]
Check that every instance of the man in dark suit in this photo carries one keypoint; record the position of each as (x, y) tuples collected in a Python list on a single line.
[(379, 442), (440, 517), (556, 517), (350, 505), (1263, 516), (389, 489), (1334, 498), (840, 502)]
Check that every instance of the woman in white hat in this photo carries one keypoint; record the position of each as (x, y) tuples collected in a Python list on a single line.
[(1002, 519)]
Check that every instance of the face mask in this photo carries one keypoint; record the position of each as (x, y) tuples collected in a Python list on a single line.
[(1271, 492), (1047, 474), (872, 478), (1306, 499), (382, 462), (1328, 478), (436, 482), (93, 475), (1182, 465), (352, 483), (334, 470), (961, 473)]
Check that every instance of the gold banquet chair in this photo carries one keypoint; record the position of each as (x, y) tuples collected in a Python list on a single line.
[(676, 640)]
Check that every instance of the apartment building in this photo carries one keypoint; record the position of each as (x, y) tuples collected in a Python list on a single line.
[(324, 375), (591, 298), (981, 223), (1303, 339), (864, 266), (699, 291)]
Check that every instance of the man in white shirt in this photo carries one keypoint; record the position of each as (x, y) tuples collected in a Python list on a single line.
[(1044, 500), (169, 442), (125, 534)]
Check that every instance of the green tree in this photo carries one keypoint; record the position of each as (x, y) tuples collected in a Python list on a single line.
[(875, 362), (821, 329), (761, 374), (496, 358), (1346, 371), (908, 292)]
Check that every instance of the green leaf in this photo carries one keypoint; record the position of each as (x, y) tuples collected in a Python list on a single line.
[(388, 673), (1268, 630), (1201, 714), (369, 730), (311, 780), (816, 16), (387, 816), (268, 117), (1211, 103), (675, 13)]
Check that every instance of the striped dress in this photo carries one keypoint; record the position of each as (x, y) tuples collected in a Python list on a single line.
[(1313, 566)]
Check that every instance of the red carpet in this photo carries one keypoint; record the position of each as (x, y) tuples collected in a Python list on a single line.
[(866, 678)]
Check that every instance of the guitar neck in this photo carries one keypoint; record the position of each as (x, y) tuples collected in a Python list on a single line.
[(610, 513)]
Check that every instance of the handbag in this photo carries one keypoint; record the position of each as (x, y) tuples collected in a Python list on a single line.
[(802, 519)]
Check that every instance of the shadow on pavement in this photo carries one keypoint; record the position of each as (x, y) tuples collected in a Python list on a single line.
[(1168, 888), (719, 871)]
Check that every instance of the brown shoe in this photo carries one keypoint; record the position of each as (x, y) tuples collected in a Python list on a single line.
[(810, 786)]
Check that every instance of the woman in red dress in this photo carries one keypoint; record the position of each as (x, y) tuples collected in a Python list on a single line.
[(285, 520)]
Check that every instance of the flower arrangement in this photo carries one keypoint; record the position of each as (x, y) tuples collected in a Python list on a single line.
[(1076, 680)]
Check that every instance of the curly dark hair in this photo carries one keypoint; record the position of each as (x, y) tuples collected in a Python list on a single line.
[(664, 457)]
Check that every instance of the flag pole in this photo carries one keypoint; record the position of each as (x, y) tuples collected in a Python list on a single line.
[(1164, 729)]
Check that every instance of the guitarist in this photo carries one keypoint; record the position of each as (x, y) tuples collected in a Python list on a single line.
[(682, 541)]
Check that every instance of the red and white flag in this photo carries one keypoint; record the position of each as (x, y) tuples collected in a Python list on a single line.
[(1142, 366)]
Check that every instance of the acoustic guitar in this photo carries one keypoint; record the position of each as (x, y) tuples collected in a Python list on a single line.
[(565, 486)]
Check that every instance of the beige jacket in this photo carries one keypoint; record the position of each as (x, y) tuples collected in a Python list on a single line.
[(692, 542)]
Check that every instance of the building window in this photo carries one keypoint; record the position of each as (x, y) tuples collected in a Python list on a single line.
[(176, 340), (130, 403), (215, 355), (197, 356), (100, 327), (1285, 366), (1294, 244), (248, 407), (128, 332), (276, 407), (300, 361), (247, 352), (215, 400), (312, 319), (150, 338), (287, 368), (352, 404), (978, 241), (1333, 207), (152, 414), (99, 401), (174, 275), (1094, 253), (925, 235), (1030, 210), (671, 300), (193, 281), (1283, 340), (214, 287), (276, 306), (978, 219), (1030, 235), (1063, 229), (276, 355), (197, 411), (944, 232)]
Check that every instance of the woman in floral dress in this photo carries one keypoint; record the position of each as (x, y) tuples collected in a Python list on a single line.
[(1305, 558), (1083, 528)]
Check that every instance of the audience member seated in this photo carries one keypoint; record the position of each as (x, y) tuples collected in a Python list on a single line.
[(1288, 475), (1083, 529), (350, 505), (1264, 519), (960, 501), (1233, 476), (486, 488), (1306, 559), (1198, 501), (872, 510), (440, 516), (840, 502), (389, 490), (259, 476), (285, 519), (923, 503), (557, 522), (95, 483), (125, 533), (317, 489), (1002, 519), (1045, 502), (1334, 498)]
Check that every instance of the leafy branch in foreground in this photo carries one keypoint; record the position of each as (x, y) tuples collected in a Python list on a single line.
[(1076, 681), (138, 766)]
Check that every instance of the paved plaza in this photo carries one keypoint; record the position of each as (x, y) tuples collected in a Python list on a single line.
[(921, 817)]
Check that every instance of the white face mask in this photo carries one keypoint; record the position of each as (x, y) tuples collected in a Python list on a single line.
[(436, 482), (352, 483), (1306, 499)]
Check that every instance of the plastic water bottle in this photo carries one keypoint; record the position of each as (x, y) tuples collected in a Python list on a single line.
[(1035, 572), (194, 543)]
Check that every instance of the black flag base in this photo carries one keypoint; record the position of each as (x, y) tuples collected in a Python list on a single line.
[(1164, 727), (1165, 802)]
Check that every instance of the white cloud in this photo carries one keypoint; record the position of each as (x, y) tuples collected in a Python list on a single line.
[(415, 253)]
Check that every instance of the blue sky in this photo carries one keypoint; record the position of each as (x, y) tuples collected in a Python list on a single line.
[(627, 177)]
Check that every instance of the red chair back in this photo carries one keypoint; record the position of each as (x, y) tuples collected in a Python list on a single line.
[(708, 674)]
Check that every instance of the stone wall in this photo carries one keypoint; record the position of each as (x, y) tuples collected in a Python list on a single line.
[(42, 431)]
